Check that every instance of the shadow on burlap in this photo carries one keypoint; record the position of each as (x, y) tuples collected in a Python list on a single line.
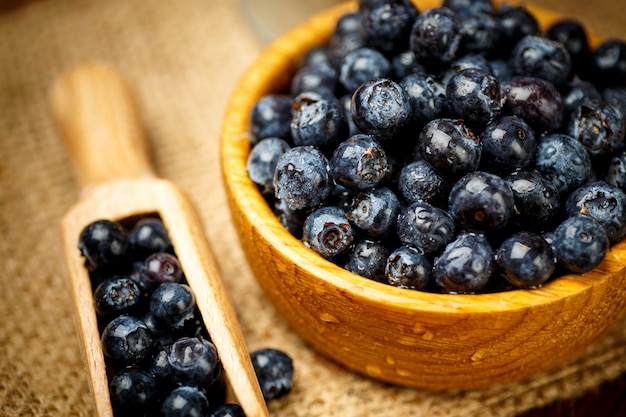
[(183, 58)]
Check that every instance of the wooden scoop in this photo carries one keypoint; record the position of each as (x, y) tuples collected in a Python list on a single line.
[(97, 118)]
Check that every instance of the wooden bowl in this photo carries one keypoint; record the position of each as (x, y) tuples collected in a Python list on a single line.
[(396, 335)]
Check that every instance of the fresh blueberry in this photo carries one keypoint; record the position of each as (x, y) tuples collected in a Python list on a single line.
[(271, 117), (321, 78), (173, 304), (328, 232), (386, 25), (465, 266), (481, 33), (148, 236), (501, 69), (194, 361), (466, 8), (424, 226), (368, 259), (359, 163), (418, 181), (481, 201), (602, 202), (427, 96), (185, 402), (535, 100), (616, 173), (361, 65), (526, 260), (292, 220), (436, 37), (134, 392), (508, 144), (302, 178), (564, 161), (608, 63), (576, 92), (599, 126), (316, 56), (515, 23), (116, 296), (403, 64), (616, 96), (345, 38), (573, 36), (537, 200), (409, 268), (450, 147), (274, 371), (542, 57), (474, 96), (580, 243), (381, 108), (156, 269), (102, 242), (228, 410), (318, 120), (375, 211), (262, 160), (126, 340)]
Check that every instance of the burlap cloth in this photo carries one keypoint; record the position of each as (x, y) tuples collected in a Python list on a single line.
[(183, 57)]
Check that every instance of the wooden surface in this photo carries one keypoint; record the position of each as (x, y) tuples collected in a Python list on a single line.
[(405, 337), (97, 118)]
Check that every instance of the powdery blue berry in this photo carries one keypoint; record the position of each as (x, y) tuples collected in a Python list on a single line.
[(271, 117), (539, 56), (418, 181), (327, 231), (375, 212), (359, 163), (318, 120), (184, 402), (262, 160), (361, 65), (409, 268), (274, 371), (564, 161), (580, 244)]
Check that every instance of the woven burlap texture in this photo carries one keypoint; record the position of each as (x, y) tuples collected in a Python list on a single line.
[(183, 58)]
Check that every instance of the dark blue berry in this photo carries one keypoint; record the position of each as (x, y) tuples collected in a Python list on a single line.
[(404, 64), (515, 23), (116, 296), (271, 117), (381, 108), (321, 78), (345, 38), (474, 96), (508, 144), (368, 259), (466, 8), (262, 160), (481, 33), (173, 304), (599, 126), (418, 181), (274, 371), (542, 57), (616, 173), (361, 65), (535, 100), (450, 147), (427, 96), (481, 201), (126, 340), (148, 236), (327, 231), (292, 220), (537, 200), (386, 25), (564, 161), (228, 410), (185, 402), (194, 361), (580, 243), (359, 163), (302, 178), (602, 202), (318, 120), (576, 92), (526, 260), (102, 242), (608, 63), (318, 55), (425, 227), (436, 37), (573, 36), (501, 69), (134, 392), (615, 96), (375, 211), (465, 266), (409, 268), (158, 268)]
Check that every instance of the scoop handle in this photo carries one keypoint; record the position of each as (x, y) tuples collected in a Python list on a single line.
[(96, 114)]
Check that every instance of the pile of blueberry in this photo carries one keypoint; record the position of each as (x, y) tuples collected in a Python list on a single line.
[(459, 149), (159, 357)]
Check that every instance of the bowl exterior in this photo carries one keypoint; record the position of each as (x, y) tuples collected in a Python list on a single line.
[(399, 336)]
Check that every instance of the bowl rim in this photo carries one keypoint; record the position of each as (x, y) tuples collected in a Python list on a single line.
[(260, 78)]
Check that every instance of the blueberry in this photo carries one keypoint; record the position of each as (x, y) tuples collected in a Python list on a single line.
[(316, 56), (474, 96), (481, 33), (615, 96), (134, 392), (148, 236), (126, 340), (599, 126), (425, 227), (418, 181), (156, 269), (580, 243), (274, 371), (194, 361), (602, 202), (375, 212), (116, 296), (564, 161), (361, 65), (409, 268), (359, 163), (403, 64), (427, 96), (450, 147), (386, 25), (271, 117), (228, 410), (608, 63), (542, 57), (616, 173), (573, 36), (515, 23), (535, 100), (381, 108), (537, 200), (328, 232), (262, 160), (481, 201), (318, 120), (345, 38), (501, 69), (465, 266), (368, 259), (185, 402), (576, 92), (466, 8), (102, 242), (173, 304), (526, 260), (322, 78), (436, 37), (508, 144), (292, 220), (302, 178)]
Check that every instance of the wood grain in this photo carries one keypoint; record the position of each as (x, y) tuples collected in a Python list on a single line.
[(99, 122), (404, 337)]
